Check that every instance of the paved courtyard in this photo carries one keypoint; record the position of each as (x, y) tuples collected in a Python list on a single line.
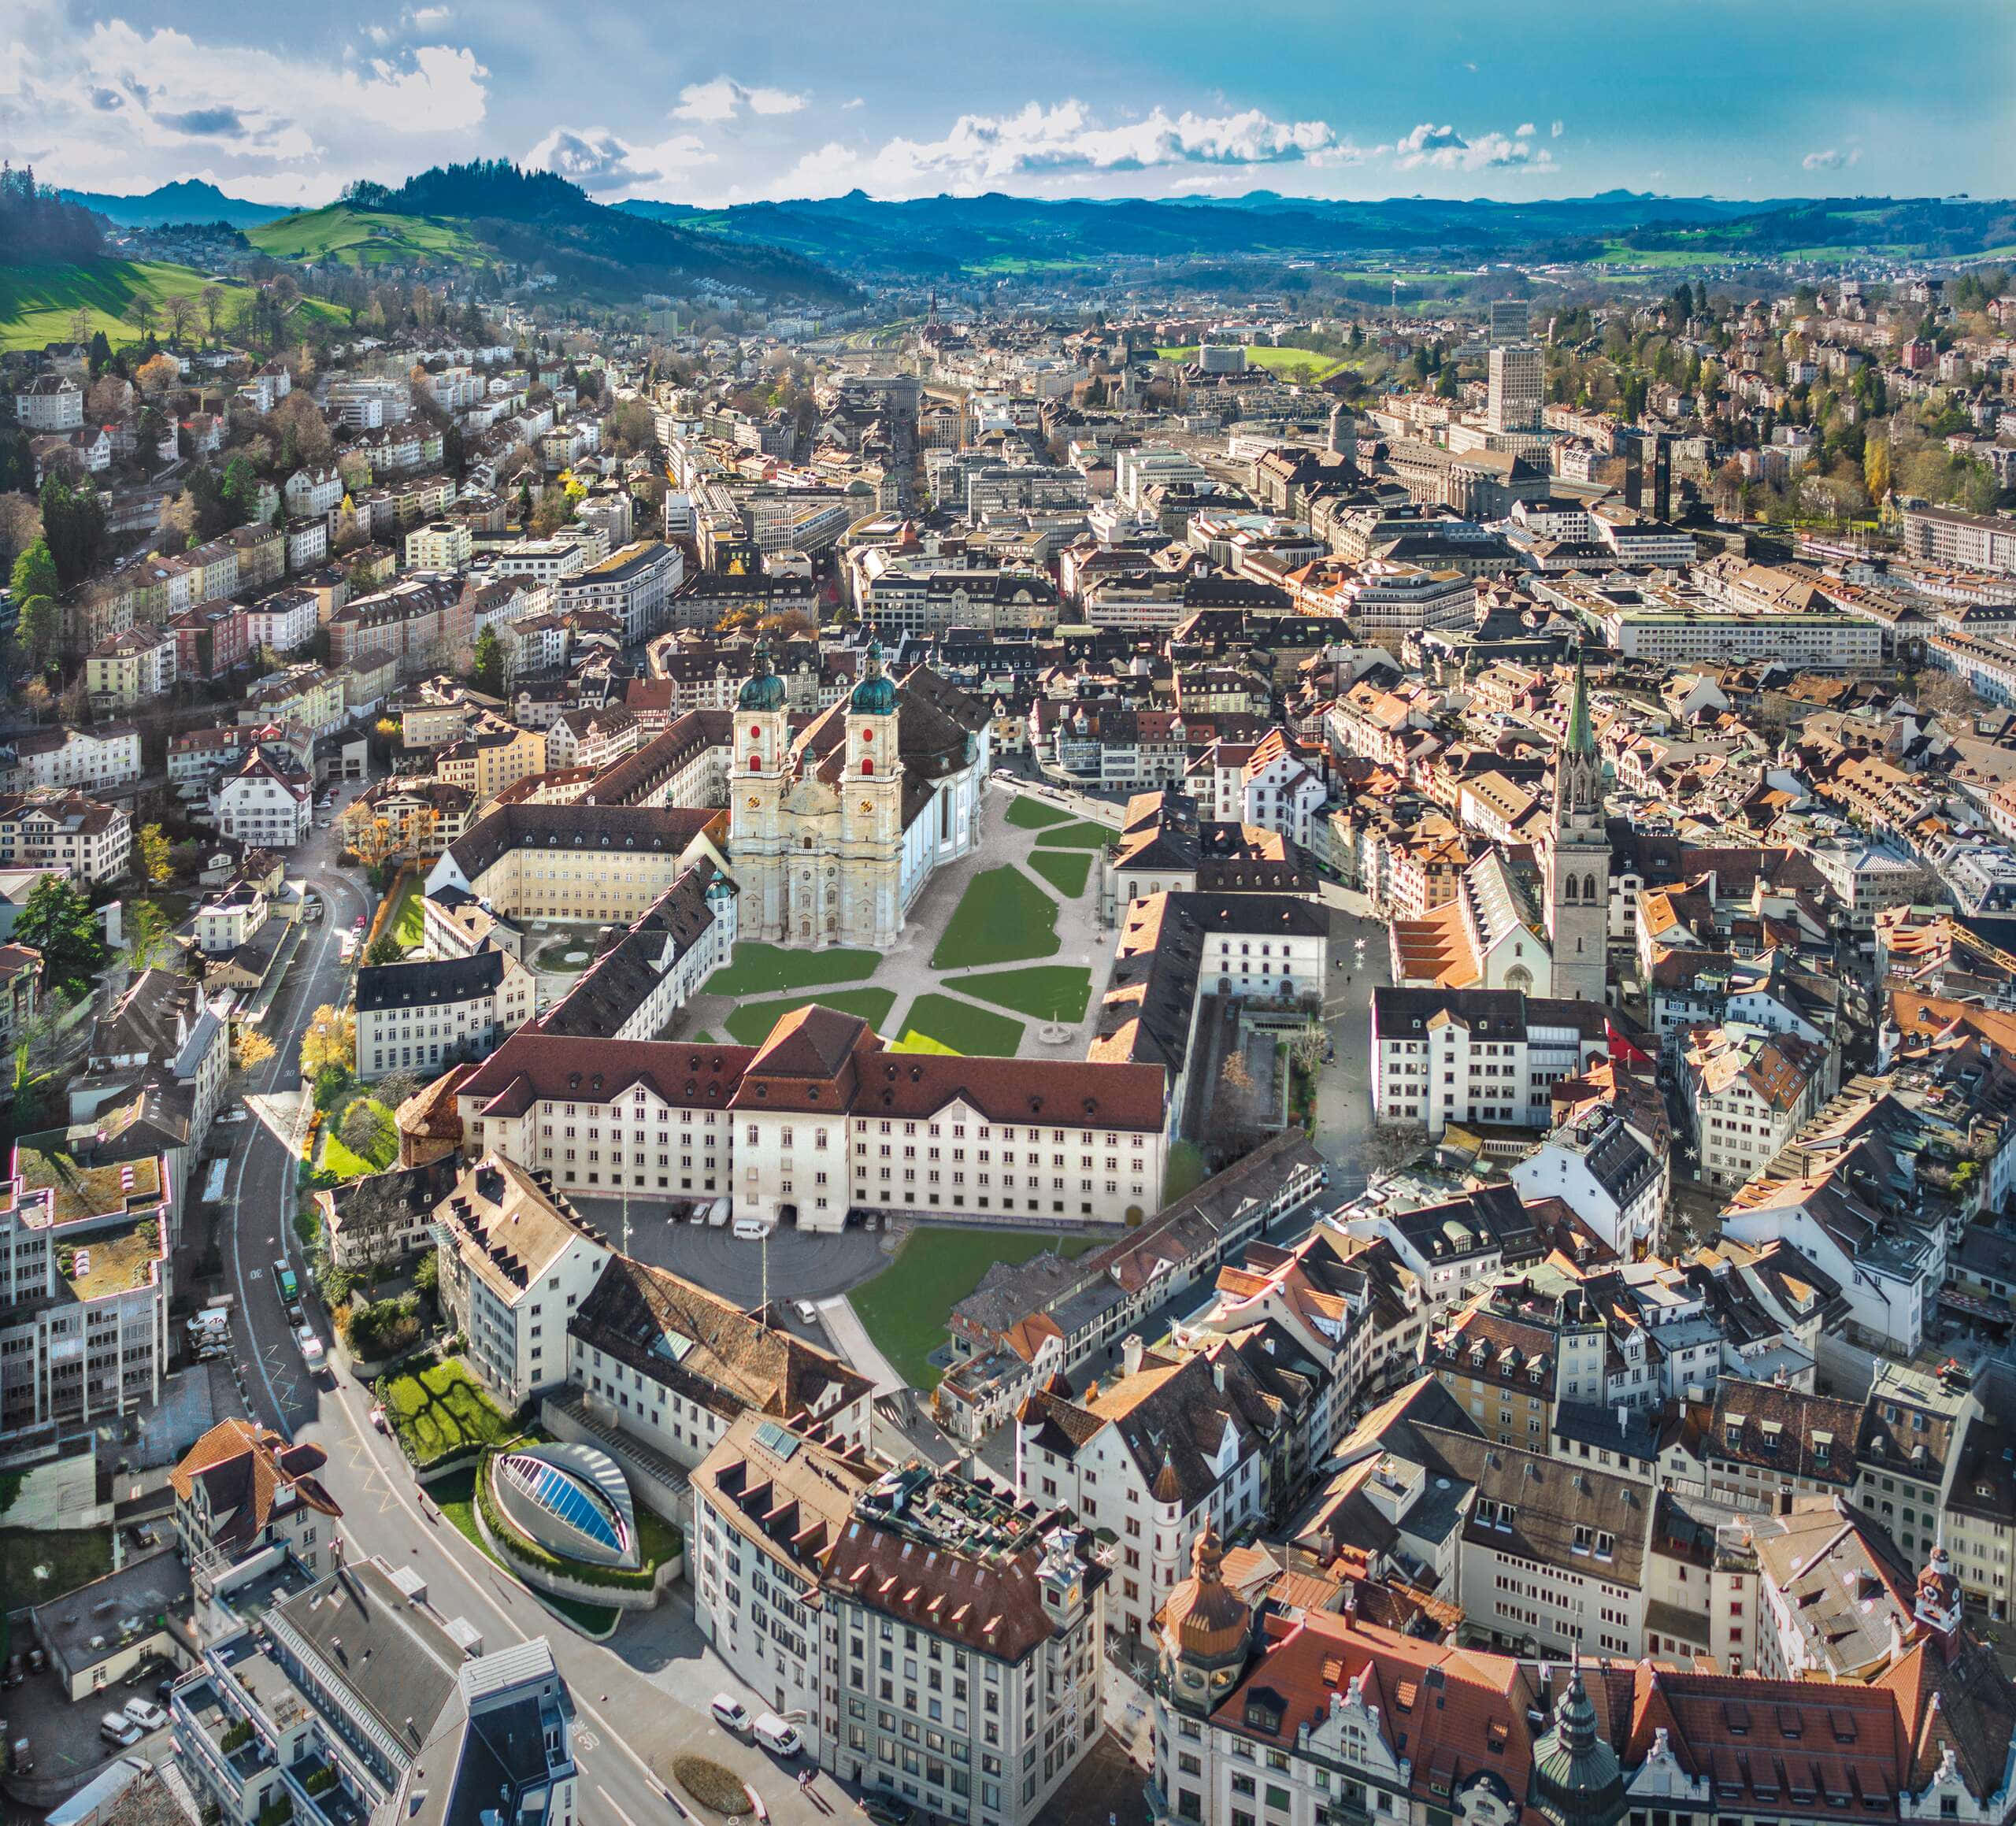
[(906, 973)]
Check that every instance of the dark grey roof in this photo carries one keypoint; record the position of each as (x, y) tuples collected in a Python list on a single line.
[(429, 983), (516, 827)]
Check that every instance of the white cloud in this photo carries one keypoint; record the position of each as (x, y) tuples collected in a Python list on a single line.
[(858, 102), (982, 151), (605, 164), (1446, 150), (1558, 129), (1526, 130), (1832, 159), (125, 107), (723, 97)]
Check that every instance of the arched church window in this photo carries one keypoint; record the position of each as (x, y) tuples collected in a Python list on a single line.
[(1573, 893), (1589, 887)]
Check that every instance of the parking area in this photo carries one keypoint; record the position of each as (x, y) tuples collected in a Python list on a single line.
[(63, 1737), (802, 1266)]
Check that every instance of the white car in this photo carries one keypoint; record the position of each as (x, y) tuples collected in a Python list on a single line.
[(311, 1346), (116, 1727), (752, 1229), (806, 1312), (730, 1713), (146, 1713)]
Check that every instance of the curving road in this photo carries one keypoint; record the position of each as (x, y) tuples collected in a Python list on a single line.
[(640, 1700)]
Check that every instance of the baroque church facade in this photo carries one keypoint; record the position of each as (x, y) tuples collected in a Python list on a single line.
[(834, 831)]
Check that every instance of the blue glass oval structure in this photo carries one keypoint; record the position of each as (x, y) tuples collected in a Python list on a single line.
[(572, 1500)]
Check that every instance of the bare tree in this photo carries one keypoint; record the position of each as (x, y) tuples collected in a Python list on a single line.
[(179, 312), (374, 1218)]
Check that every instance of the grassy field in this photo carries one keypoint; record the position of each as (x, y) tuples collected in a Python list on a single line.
[(405, 922), (1064, 870), (1304, 365), (455, 1496), (440, 1409), (749, 1025), (1045, 991), (38, 300), (906, 1307), (337, 1158), (70, 1557), (938, 1023), (1002, 918), (1029, 814), (1080, 834), (358, 237), (769, 970)]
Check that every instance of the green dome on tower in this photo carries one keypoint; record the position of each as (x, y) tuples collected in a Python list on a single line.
[(875, 694), (762, 689)]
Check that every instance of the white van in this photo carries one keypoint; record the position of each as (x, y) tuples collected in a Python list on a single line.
[(752, 1229), (776, 1735)]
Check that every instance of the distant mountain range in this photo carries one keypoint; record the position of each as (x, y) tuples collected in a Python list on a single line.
[(814, 248), (937, 235), (188, 200)]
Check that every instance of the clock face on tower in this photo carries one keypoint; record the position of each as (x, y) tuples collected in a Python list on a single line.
[(753, 804)]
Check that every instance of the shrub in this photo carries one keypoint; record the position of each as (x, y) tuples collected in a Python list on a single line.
[(236, 1736), (427, 1275), (712, 1784), (331, 1082)]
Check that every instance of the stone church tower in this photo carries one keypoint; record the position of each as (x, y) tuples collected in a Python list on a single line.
[(871, 836), (756, 788), (1578, 859)]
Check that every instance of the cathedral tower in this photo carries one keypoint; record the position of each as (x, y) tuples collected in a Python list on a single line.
[(870, 886), (1578, 858), (756, 785)]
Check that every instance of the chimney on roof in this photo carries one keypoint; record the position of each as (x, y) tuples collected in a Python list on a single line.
[(1130, 1353)]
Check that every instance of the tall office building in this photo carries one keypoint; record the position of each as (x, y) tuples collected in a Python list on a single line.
[(1511, 321), (1518, 389)]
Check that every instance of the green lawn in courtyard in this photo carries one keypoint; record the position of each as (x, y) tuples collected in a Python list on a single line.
[(770, 969), (938, 1023), (407, 922), (1002, 918), (440, 1409), (1030, 814), (1064, 870), (750, 1023), (906, 1307), (1046, 991), (340, 1159), (1080, 834)]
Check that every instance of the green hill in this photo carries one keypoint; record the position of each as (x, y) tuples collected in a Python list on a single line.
[(362, 238), (37, 301)]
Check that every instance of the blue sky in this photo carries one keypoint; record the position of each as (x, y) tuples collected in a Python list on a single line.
[(766, 99)]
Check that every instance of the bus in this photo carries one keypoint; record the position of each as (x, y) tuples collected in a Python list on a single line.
[(284, 1279)]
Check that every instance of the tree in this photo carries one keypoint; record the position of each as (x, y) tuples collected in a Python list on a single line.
[(20, 525), (156, 375), (58, 921), (367, 1130), (110, 396), (374, 1214), (157, 869), (303, 432), (254, 1049), (139, 311), (331, 1041), (35, 693), (212, 299), (146, 937), (1875, 467), (487, 676), (35, 572), (384, 949), (73, 526), (396, 1086), (180, 312)]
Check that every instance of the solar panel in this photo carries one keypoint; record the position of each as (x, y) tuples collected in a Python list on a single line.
[(775, 1440)]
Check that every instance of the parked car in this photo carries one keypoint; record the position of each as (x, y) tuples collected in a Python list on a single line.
[(15, 1673), (311, 1346), (806, 1312), (116, 1727), (779, 1736), (752, 1229), (146, 1713), (887, 1810), (20, 1758), (730, 1713)]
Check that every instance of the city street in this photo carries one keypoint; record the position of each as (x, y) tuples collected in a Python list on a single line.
[(659, 1675)]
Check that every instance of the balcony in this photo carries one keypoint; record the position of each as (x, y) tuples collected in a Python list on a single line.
[(318, 1794)]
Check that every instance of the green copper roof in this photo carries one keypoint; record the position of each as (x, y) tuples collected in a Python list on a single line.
[(1581, 736)]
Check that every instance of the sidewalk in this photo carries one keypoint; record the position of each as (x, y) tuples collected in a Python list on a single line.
[(852, 1340)]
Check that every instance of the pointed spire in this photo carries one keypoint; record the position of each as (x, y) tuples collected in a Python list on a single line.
[(1581, 734)]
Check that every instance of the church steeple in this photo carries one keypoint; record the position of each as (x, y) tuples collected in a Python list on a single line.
[(1577, 856), (1578, 769)]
